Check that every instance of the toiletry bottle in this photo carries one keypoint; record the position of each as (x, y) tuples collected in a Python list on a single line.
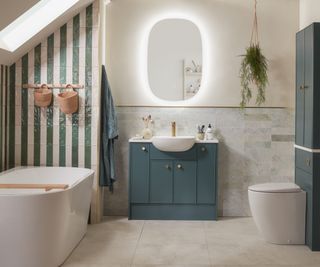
[(209, 133)]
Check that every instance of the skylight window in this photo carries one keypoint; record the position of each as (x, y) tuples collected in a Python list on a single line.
[(32, 22)]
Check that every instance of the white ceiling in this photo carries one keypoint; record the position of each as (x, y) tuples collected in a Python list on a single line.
[(12, 9)]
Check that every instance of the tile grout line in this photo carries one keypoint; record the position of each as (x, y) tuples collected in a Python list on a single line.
[(135, 249), (207, 244)]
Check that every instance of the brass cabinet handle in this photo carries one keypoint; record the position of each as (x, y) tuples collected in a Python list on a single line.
[(301, 87), (143, 148), (308, 162), (203, 149), (179, 166), (167, 167)]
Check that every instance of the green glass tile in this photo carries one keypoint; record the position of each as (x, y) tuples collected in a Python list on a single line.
[(12, 122), (63, 79), (24, 112), (1, 115), (37, 110), (50, 66), (88, 87), (75, 80), (5, 116)]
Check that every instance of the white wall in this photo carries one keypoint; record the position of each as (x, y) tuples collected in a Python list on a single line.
[(227, 28), (309, 12)]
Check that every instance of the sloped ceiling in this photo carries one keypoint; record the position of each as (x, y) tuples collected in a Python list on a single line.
[(12, 9)]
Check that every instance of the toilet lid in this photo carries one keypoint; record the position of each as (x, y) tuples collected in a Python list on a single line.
[(275, 188)]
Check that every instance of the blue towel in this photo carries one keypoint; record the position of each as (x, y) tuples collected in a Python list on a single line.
[(109, 132)]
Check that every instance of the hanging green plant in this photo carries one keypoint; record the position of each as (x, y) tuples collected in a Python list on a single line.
[(254, 68)]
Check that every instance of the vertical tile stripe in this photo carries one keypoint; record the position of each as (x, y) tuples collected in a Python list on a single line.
[(37, 110), (24, 112), (50, 66), (6, 118), (1, 115), (88, 87), (75, 80), (12, 123), (63, 79)]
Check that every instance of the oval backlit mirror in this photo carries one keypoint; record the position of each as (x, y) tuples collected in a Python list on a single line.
[(175, 59)]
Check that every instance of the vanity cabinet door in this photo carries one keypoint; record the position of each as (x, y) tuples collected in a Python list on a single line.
[(299, 88), (206, 173), (139, 173), (161, 181), (308, 86), (185, 185)]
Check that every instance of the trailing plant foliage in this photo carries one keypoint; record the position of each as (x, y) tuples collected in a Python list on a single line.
[(253, 72)]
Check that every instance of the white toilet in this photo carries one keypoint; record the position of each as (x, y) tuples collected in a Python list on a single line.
[(279, 211)]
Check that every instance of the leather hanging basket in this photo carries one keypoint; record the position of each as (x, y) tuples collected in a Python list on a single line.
[(43, 96), (68, 101)]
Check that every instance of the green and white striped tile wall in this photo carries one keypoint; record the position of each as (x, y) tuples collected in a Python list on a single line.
[(46, 136), (4, 74)]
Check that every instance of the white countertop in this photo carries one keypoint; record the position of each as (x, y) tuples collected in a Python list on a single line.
[(141, 140)]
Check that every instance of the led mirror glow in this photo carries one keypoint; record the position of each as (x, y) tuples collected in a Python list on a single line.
[(142, 56), (175, 59), (32, 22)]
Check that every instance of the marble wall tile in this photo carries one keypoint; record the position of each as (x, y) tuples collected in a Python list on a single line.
[(256, 146)]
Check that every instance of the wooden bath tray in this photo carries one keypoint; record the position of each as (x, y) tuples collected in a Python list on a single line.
[(46, 187)]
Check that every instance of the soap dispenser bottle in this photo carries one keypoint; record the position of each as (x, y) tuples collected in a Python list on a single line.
[(209, 133)]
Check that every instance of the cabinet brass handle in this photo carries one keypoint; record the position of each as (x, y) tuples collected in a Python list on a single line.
[(301, 87), (167, 167), (308, 162), (179, 166), (203, 149), (143, 148)]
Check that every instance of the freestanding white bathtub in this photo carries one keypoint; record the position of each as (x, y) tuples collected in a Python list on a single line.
[(39, 228)]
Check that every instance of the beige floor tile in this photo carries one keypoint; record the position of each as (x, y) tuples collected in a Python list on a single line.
[(229, 242), (163, 236), (172, 254), (102, 253)]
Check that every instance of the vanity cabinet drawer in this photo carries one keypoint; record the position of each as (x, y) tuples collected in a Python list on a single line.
[(191, 154), (304, 160)]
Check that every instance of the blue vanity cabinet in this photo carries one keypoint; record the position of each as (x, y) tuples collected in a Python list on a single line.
[(173, 185)]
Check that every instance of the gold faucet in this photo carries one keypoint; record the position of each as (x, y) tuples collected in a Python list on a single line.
[(173, 128)]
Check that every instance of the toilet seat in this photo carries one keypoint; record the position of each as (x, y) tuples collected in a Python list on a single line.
[(275, 188)]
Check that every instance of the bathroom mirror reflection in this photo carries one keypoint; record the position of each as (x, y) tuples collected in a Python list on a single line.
[(175, 59)]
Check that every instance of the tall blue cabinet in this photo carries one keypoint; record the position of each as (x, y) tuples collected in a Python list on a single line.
[(307, 143), (173, 185)]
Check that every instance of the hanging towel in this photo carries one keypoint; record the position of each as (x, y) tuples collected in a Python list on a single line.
[(109, 132)]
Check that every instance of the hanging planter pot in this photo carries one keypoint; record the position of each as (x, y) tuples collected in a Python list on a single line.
[(254, 68), (43, 96), (68, 101)]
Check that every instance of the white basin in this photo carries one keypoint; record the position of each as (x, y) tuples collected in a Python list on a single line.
[(173, 144)]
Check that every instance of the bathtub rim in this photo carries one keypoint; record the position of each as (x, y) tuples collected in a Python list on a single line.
[(70, 187)]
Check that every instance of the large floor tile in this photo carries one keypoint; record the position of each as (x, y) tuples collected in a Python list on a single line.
[(228, 242)]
